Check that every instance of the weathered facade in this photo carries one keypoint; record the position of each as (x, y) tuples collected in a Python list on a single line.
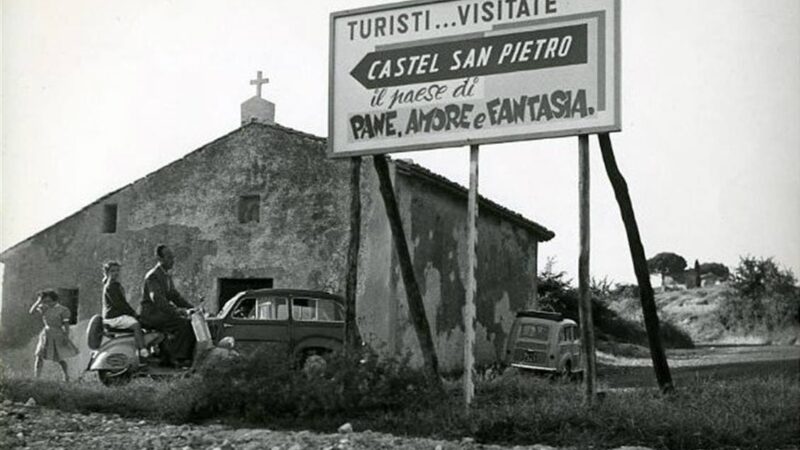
[(263, 206)]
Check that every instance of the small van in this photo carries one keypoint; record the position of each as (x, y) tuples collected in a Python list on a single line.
[(546, 341)]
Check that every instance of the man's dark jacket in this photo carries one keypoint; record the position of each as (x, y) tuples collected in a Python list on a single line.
[(160, 299), (159, 311)]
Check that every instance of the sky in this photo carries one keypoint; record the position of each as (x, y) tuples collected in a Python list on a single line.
[(98, 93)]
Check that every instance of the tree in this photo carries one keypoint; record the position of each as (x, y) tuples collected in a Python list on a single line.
[(696, 280), (718, 269), (666, 263), (764, 294)]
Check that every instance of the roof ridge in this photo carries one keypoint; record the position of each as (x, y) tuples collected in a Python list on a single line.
[(411, 167), (140, 179)]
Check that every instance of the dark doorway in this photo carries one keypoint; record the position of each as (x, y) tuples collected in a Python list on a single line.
[(228, 287), (69, 298)]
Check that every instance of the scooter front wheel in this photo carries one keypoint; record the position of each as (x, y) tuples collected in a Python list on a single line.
[(113, 378)]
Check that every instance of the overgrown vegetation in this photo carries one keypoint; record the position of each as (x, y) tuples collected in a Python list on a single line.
[(764, 296), (556, 293), (758, 412), (267, 386)]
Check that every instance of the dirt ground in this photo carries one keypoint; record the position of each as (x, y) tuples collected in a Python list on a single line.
[(27, 426)]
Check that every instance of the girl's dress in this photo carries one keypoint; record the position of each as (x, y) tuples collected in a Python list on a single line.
[(54, 344)]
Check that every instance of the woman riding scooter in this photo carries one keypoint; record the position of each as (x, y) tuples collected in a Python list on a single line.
[(117, 313)]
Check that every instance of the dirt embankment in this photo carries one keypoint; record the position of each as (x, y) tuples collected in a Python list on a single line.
[(695, 312)]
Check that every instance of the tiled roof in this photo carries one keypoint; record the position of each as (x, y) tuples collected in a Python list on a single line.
[(416, 170)]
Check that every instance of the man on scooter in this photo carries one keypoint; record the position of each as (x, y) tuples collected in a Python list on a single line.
[(163, 308)]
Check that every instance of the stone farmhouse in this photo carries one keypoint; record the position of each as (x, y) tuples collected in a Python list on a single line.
[(262, 206)]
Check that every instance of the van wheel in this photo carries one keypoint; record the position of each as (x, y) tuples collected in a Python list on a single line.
[(566, 372), (112, 378)]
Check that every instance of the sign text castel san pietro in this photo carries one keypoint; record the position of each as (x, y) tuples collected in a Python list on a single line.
[(429, 74)]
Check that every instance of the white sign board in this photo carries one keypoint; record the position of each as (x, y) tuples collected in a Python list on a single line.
[(429, 74)]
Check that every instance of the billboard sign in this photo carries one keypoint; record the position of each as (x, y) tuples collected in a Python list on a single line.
[(428, 74)]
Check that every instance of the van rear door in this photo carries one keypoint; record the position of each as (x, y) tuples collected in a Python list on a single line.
[(532, 345)]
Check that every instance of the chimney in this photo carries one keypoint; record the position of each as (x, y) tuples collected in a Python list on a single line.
[(256, 109)]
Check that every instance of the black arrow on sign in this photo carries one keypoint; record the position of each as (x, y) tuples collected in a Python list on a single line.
[(446, 60)]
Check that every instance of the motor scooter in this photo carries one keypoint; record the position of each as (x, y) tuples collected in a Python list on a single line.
[(116, 360)]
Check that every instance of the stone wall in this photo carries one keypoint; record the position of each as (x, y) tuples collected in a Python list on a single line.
[(434, 220), (300, 241), (191, 205)]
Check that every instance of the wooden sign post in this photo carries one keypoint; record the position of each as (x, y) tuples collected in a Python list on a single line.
[(472, 282), (585, 295), (461, 77)]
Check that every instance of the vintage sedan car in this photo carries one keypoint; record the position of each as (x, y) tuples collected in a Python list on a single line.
[(300, 322)]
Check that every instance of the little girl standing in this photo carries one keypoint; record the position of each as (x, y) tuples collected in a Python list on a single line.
[(54, 343)]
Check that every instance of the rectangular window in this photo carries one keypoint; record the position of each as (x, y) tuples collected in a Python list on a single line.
[(110, 218), (532, 331), (317, 310), (249, 208), (272, 308)]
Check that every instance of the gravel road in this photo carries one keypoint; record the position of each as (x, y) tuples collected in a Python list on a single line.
[(30, 426)]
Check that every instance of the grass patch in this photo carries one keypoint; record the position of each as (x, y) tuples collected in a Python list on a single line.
[(752, 412)]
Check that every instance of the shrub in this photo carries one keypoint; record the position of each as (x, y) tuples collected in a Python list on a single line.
[(763, 295), (626, 290), (265, 385), (758, 411)]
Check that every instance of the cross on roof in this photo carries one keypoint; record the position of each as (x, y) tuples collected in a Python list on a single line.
[(258, 82)]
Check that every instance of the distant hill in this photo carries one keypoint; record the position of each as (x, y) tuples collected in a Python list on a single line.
[(694, 311)]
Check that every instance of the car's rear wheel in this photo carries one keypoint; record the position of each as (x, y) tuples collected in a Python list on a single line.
[(312, 361), (112, 378)]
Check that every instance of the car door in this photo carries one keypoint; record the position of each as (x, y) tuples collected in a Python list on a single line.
[(317, 323), (564, 347), (259, 322)]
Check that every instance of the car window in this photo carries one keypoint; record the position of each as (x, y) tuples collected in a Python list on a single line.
[(317, 310), (535, 331), (265, 308)]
